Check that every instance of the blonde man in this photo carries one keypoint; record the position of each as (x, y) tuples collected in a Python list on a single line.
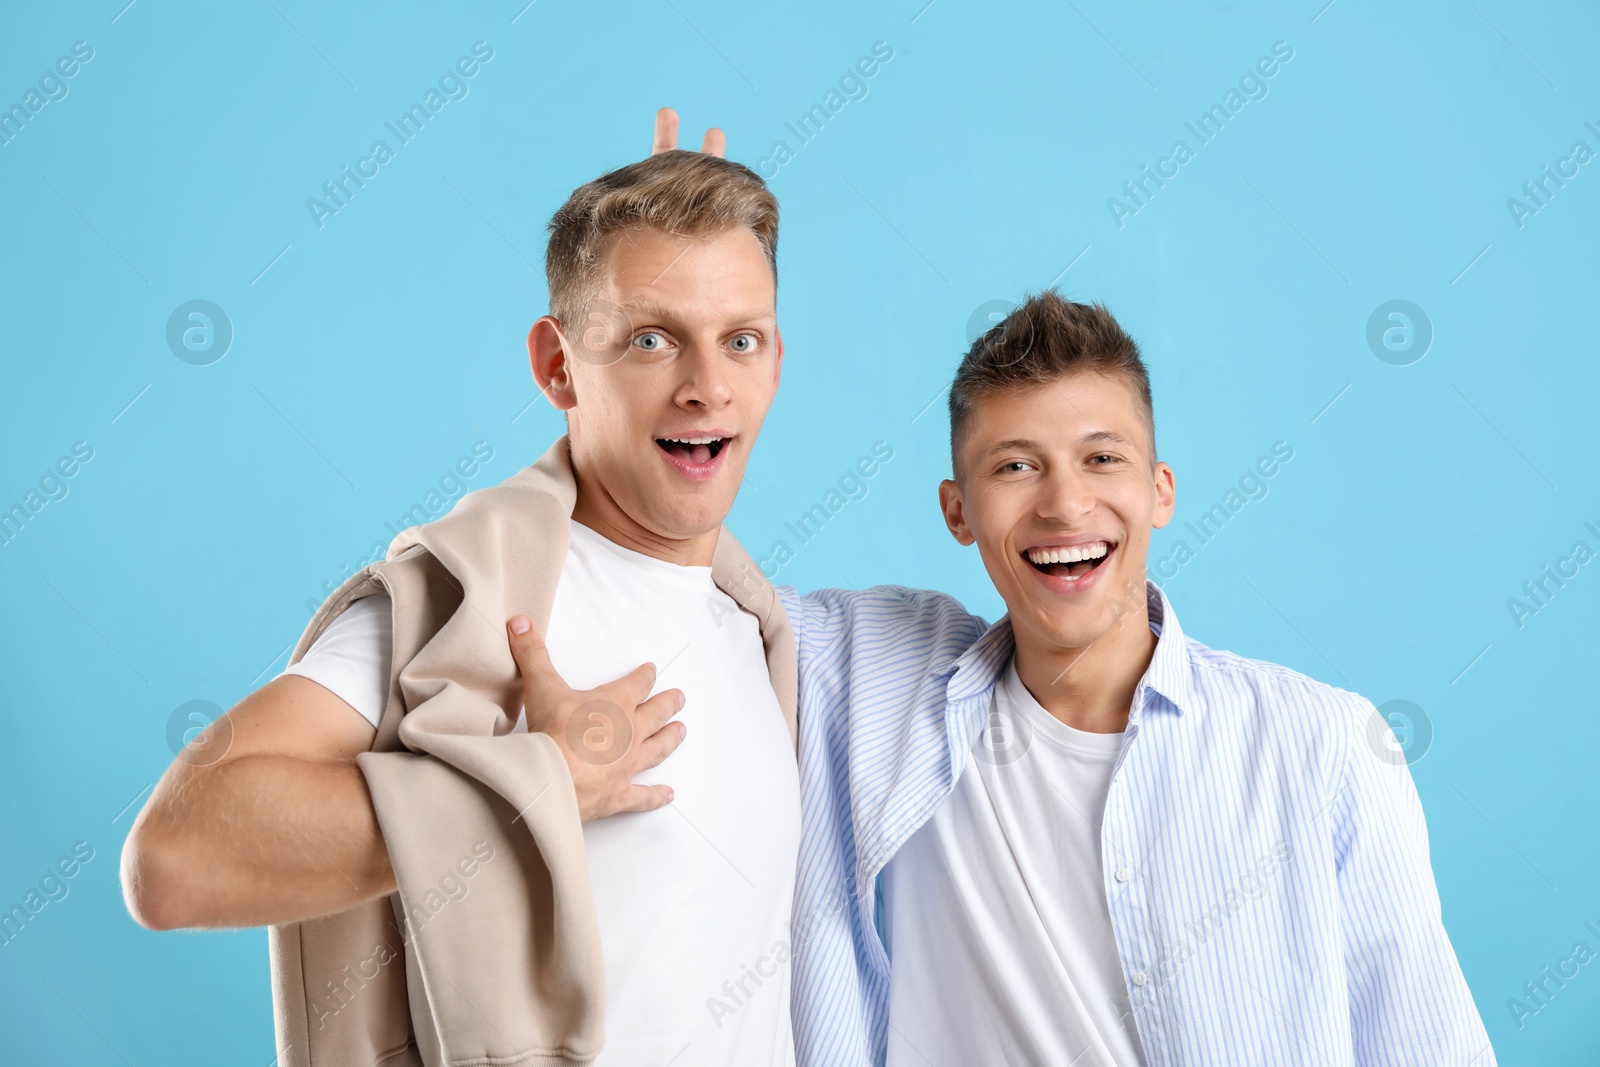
[(662, 348)]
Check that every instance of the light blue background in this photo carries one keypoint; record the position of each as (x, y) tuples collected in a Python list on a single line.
[(376, 350)]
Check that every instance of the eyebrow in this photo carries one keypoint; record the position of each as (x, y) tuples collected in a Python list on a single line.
[(1007, 445), (651, 309), (1109, 437), (1027, 444)]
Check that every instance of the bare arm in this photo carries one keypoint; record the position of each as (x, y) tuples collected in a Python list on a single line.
[(266, 819), (271, 825)]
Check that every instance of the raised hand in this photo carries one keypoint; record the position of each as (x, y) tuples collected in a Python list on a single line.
[(608, 734), (715, 143)]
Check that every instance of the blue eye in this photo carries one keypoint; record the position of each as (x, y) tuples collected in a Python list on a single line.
[(745, 343), (650, 342)]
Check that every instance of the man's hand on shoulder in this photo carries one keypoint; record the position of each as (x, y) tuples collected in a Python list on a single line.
[(715, 143), (608, 734)]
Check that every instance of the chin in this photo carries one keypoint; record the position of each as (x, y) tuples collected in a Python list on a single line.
[(1073, 636), (686, 523), (1077, 627)]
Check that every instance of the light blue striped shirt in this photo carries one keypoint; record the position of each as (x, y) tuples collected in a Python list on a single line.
[(1277, 904)]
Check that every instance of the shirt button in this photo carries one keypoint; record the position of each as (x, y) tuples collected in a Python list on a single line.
[(1123, 874), (1138, 978)]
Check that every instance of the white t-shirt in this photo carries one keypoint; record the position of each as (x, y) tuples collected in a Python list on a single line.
[(995, 909), (693, 899)]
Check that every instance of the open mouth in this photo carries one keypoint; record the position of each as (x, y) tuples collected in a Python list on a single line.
[(692, 451), (1070, 562)]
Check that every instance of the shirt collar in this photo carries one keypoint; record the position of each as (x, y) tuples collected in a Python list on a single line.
[(977, 670), (1168, 673)]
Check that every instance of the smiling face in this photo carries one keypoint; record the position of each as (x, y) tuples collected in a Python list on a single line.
[(665, 385), (1056, 484)]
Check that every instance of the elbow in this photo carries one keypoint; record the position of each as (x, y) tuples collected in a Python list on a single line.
[(153, 897)]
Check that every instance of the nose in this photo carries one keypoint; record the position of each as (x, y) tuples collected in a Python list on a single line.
[(1065, 495), (704, 382)]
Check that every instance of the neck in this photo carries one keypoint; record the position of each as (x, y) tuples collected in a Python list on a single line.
[(598, 510), (1089, 688)]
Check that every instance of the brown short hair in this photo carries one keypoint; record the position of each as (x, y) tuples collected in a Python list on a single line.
[(686, 193), (1045, 339)]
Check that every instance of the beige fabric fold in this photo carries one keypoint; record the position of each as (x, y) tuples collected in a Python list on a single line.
[(509, 954)]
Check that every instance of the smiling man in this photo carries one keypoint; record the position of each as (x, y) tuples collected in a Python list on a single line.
[(1079, 836)]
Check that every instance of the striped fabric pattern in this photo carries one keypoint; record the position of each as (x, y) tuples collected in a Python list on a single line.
[(1265, 854)]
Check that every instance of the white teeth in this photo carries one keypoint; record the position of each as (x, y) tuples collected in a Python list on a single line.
[(692, 440), (1071, 554)]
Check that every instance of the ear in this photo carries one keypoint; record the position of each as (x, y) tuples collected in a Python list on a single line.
[(547, 355), (777, 367), (955, 515), (1166, 495)]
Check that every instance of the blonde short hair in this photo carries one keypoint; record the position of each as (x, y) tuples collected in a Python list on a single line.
[(686, 193)]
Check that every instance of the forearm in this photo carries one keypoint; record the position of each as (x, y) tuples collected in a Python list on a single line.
[(255, 841)]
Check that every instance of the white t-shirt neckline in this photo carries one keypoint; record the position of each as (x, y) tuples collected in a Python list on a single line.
[(687, 576), (1016, 698)]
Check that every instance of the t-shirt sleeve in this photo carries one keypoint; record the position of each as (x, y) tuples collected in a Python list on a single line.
[(350, 658)]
